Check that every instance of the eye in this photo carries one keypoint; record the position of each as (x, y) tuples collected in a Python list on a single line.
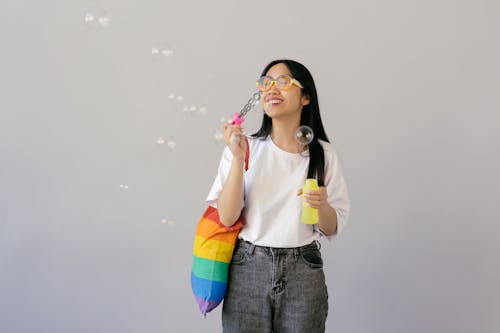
[(265, 80), (284, 80)]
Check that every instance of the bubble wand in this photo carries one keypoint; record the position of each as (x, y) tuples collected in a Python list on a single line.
[(239, 117)]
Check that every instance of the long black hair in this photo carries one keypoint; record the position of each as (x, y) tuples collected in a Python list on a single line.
[(310, 116)]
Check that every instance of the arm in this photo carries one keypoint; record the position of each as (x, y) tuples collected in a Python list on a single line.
[(332, 200), (327, 222), (230, 201)]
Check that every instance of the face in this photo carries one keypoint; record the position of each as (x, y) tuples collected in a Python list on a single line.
[(280, 103)]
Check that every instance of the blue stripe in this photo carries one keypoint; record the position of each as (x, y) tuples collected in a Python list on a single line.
[(209, 290)]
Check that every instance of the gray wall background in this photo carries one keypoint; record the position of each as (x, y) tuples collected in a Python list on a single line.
[(409, 93)]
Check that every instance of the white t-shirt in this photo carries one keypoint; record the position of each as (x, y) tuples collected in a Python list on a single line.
[(272, 208)]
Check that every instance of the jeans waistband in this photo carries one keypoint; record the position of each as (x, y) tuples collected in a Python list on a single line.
[(250, 248)]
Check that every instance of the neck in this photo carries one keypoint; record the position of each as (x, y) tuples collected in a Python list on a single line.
[(283, 135)]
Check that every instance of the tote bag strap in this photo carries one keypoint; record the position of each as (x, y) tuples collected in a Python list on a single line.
[(247, 153)]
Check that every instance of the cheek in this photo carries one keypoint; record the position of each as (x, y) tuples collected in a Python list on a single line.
[(294, 100)]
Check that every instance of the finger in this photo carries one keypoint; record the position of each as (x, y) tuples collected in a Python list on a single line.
[(313, 195), (316, 200), (315, 203), (317, 193), (230, 130), (235, 138), (312, 203), (237, 129)]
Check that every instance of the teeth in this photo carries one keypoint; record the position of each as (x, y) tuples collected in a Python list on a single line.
[(274, 101)]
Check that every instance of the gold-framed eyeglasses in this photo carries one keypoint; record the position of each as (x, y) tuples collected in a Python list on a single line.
[(283, 82)]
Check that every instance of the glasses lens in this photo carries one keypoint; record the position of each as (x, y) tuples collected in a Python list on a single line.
[(284, 82), (264, 83)]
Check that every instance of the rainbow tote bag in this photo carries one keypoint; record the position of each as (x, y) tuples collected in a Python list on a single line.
[(212, 253)]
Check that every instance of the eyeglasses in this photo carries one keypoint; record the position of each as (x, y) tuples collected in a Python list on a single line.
[(283, 82)]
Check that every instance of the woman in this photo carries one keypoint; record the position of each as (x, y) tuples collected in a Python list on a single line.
[(276, 280)]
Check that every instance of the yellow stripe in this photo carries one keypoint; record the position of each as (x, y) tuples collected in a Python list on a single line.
[(213, 250)]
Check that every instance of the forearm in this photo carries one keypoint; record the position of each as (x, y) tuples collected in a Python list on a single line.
[(327, 220), (230, 200)]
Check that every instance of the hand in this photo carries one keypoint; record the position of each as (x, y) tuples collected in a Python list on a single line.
[(316, 198), (233, 139)]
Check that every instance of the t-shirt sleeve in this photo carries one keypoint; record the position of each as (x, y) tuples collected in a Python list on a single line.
[(336, 187), (220, 178)]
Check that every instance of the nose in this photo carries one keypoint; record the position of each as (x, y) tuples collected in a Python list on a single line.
[(274, 89)]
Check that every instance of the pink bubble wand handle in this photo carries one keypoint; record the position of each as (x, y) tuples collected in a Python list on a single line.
[(237, 119)]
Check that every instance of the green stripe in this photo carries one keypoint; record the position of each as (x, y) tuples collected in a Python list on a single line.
[(210, 269)]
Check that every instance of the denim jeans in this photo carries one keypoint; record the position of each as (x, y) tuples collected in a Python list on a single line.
[(279, 290)]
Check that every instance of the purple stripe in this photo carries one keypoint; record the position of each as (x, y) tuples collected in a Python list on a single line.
[(205, 305)]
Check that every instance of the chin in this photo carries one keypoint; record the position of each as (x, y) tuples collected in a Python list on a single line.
[(270, 114), (273, 112)]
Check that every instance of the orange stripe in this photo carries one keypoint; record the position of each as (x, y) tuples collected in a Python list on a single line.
[(208, 229)]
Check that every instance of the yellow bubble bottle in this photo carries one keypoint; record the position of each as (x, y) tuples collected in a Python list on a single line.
[(309, 214)]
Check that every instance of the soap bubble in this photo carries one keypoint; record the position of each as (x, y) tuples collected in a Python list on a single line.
[(202, 110), (103, 21), (219, 138), (304, 135), (89, 17), (197, 111), (189, 109), (161, 52), (169, 222), (96, 17), (171, 144)]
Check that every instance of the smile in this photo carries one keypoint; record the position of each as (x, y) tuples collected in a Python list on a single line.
[(274, 102)]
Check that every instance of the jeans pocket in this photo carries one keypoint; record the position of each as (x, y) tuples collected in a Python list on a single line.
[(239, 256), (312, 258)]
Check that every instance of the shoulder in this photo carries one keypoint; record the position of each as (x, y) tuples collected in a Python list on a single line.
[(257, 143), (331, 154), (328, 147)]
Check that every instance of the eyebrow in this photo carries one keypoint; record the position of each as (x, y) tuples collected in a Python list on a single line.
[(290, 75)]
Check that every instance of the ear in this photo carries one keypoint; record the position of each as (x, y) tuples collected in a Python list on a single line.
[(305, 100)]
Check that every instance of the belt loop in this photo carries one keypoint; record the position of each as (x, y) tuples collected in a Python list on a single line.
[(250, 248), (296, 251), (318, 244)]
